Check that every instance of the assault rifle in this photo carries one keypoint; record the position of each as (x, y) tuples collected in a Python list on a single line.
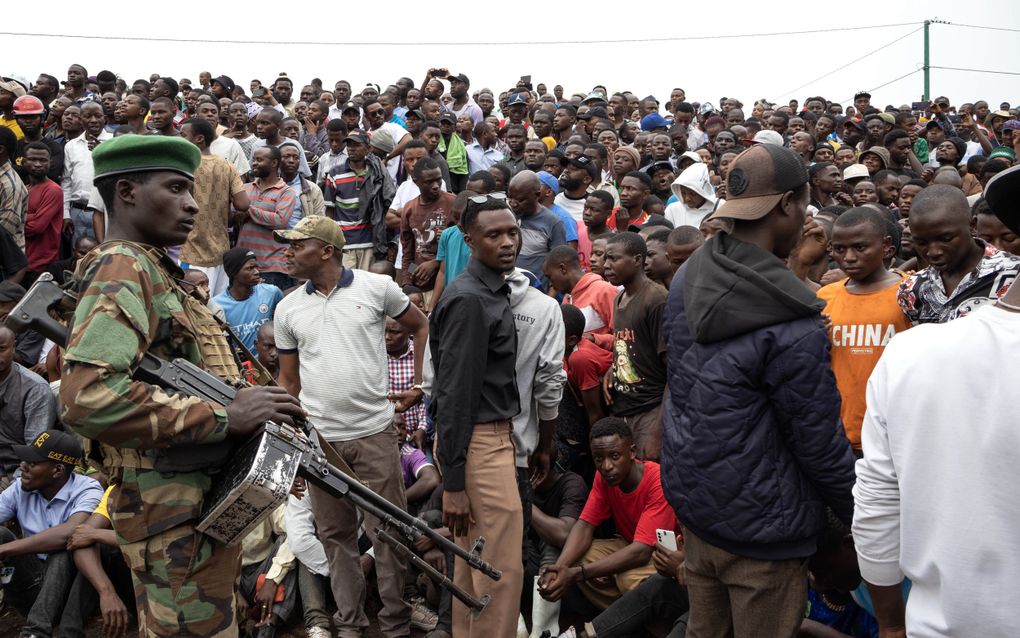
[(257, 475)]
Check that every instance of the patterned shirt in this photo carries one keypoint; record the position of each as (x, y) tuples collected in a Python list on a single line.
[(923, 298), (401, 380), (13, 203), (216, 183), (271, 208), (343, 186)]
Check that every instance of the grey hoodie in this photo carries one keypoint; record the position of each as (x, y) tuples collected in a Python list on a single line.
[(540, 375)]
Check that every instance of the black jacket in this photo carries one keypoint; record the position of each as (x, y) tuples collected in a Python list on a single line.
[(753, 446)]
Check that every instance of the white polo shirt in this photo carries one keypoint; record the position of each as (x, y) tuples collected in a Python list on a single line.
[(340, 343)]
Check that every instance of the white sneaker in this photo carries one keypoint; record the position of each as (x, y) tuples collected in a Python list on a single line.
[(318, 632)]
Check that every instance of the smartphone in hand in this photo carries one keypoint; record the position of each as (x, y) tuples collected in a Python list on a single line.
[(666, 538)]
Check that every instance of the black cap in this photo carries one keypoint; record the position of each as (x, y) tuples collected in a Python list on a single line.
[(460, 77), (358, 136), (415, 112), (235, 259), (1002, 193), (582, 161), (51, 445), (656, 166), (448, 115), (651, 222), (350, 106), (227, 83), (862, 94)]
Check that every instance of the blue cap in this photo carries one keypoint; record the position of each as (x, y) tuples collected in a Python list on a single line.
[(653, 121), (548, 179), (516, 98)]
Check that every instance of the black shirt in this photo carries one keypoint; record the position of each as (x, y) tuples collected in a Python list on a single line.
[(474, 354)]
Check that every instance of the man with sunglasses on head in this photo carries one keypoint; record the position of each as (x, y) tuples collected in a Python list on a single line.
[(375, 118), (474, 354)]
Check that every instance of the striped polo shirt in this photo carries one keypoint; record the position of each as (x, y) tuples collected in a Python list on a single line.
[(271, 209), (342, 194), (340, 343)]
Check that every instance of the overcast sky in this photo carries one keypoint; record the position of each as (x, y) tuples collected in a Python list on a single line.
[(746, 67)]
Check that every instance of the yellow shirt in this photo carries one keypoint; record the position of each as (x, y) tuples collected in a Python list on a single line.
[(12, 124), (102, 509)]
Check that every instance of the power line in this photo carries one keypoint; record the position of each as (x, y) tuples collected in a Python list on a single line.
[(452, 44), (885, 84), (978, 26), (953, 68), (851, 62)]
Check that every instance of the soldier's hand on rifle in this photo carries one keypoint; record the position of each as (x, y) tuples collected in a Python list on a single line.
[(254, 406), (457, 512)]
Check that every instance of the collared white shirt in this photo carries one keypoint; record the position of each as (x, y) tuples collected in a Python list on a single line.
[(78, 171), (230, 150)]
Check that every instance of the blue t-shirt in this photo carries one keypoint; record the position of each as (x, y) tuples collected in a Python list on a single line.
[(569, 223), (247, 316), (454, 252), (852, 620), (540, 233)]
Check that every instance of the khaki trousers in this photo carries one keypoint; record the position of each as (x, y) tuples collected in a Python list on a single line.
[(491, 486), (603, 592), (736, 597), (376, 461)]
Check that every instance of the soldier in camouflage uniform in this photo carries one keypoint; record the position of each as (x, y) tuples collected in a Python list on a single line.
[(130, 302)]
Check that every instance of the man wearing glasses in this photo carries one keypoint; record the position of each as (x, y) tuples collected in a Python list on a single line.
[(375, 117)]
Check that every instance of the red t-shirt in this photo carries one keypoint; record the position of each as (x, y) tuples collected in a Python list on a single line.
[(636, 514), (587, 365), (43, 223)]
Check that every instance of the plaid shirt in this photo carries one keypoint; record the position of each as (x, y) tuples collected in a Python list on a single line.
[(401, 380)]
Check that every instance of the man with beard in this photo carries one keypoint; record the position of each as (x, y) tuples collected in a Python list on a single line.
[(579, 174), (272, 205), (29, 111), (462, 103)]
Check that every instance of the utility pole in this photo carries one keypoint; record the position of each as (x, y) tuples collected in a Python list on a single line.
[(927, 71)]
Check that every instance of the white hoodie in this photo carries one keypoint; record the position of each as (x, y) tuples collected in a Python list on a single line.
[(540, 375), (694, 177)]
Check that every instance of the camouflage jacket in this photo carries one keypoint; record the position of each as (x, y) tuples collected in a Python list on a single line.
[(128, 305)]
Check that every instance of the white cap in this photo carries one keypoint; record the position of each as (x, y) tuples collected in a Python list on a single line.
[(768, 137), (855, 170)]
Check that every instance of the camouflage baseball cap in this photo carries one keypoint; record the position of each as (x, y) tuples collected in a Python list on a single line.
[(313, 227)]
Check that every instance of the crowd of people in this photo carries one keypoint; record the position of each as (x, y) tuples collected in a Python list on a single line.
[(649, 350)]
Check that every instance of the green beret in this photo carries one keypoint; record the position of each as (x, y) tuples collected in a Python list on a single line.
[(143, 153)]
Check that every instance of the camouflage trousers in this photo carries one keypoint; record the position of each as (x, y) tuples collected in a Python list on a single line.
[(184, 584)]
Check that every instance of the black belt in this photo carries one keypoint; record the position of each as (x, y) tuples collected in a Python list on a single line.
[(79, 206)]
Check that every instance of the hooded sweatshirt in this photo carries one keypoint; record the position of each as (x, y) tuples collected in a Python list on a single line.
[(753, 447), (540, 374), (695, 177)]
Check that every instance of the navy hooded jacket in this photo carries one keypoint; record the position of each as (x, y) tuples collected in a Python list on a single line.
[(753, 447)]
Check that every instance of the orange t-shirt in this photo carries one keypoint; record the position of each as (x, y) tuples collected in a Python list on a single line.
[(862, 325)]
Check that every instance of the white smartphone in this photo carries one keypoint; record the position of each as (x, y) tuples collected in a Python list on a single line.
[(666, 538)]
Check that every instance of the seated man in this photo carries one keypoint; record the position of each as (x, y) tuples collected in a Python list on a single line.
[(48, 502), (839, 603), (103, 577), (420, 477), (27, 406), (556, 504), (247, 302), (267, 565), (628, 492), (265, 349), (312, 566)]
